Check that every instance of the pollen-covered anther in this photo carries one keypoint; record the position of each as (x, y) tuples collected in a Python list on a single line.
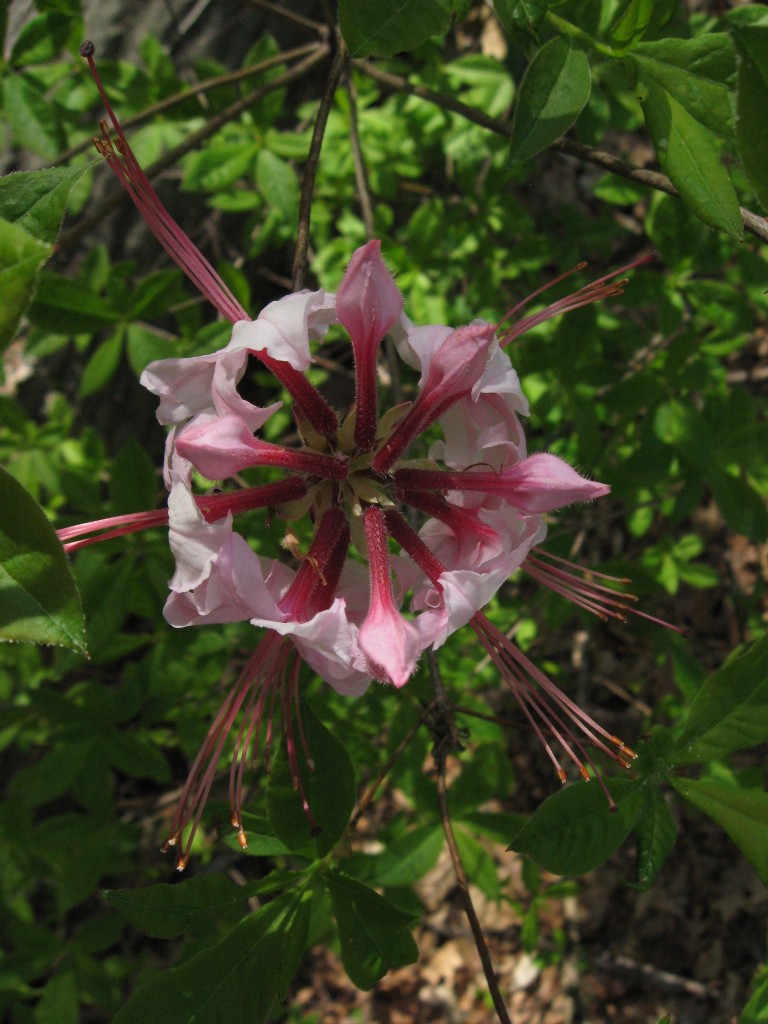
[(242, 840), (182, 862), (562, 776), (584, 773)]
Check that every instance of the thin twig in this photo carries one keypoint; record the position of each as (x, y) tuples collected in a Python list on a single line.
[(370, 793), (192, 142), (310, 172), (755, 224), (361, 177), (443, 727), (196, 90), (297, 19)]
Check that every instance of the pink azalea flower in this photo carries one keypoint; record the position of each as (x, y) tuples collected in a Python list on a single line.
[(347, 606)]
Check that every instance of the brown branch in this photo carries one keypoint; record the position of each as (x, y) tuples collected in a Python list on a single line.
[(361, 178), (755, 224), (297, 19), (443, 728), (310, 171), (192, 142), (196, 90)]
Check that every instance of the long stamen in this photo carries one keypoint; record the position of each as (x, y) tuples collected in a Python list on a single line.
[(579, 588), (595, 291), (212, 506), (190, 260)]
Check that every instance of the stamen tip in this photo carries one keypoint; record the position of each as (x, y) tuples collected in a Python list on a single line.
[(316, 831), (182, 862), (87, 49), (562, 776), (584, 773), (242, 840)]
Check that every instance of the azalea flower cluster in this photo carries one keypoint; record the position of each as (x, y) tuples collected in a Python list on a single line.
[(446, 477)]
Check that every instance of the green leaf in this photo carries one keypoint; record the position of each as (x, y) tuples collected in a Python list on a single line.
[(133, 481), (239, 980), (69, 307), (730, 711), (695, 73), (41, 39), (742, 813), (21, 256), (687, 152), (373, 932), (165, 911), (102, 365), (751, 105), (409, 857), (574, 830), (261, 843), (374, 29), (655, 834), (59, 1002), (220, 165), (277, 182), (32, 117), (552, 94), (480, 867), (756, 1010), (329, 788), (36, 200), (39, 602), (632, 23), (519, 14), (742, 507), (145, 345)]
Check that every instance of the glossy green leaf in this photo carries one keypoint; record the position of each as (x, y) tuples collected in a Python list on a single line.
[(687, 152), (239, 980), (36, 200), (632, 23), (655, 834), (574, 830), (374, 29), (742, 813), (39, 602), (751, 105), (21, 256), (552, 94), (730, 711), (373, 933), (277, 182), (329, 788), (165, 911)]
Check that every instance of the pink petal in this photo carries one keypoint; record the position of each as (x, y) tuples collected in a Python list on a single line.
[(543, 482), (368, 301)]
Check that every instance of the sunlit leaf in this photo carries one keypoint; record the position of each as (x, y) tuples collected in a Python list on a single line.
[(742, 813), (21, 256)]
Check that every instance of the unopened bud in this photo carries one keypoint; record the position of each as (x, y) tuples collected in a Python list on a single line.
[(87, 49)]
